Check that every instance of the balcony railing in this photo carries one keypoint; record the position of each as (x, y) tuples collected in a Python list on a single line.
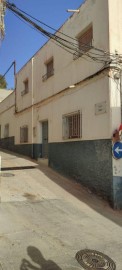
[(47, 75)]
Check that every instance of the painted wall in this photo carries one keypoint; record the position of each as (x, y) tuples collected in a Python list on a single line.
[(82, 98), (115, 22), (45, 102), (65, 67)]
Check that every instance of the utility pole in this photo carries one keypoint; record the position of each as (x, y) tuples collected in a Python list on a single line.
[(15, 85)]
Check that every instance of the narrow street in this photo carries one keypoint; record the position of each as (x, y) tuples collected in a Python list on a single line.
[(45, 219)]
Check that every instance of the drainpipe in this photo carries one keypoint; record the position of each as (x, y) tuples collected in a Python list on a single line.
[(32, 148), (15, 85)]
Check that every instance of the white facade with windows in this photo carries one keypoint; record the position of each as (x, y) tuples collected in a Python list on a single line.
[(67, 105)]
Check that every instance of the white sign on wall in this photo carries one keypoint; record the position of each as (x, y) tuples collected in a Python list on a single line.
[(100, 108)]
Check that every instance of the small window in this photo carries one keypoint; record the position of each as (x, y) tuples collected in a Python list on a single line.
[(49, 70), (6, 131), (24, 134), (26, 87), (84, 42), (72, 125)]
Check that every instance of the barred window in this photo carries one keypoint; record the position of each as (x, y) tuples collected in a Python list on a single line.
[(24, 134), (72, 125), (6, 131)]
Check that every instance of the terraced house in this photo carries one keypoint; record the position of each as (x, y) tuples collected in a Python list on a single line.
[(67, 101)]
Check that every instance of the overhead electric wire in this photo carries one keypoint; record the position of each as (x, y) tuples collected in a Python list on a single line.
[(65, 44), (57, 31), (7, 71), (13, 8)]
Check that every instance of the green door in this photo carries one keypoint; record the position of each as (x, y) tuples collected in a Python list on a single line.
[(45, 139)]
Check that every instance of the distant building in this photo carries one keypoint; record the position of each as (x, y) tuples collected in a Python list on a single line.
[(4, 93), (2, 13), (67, 106)]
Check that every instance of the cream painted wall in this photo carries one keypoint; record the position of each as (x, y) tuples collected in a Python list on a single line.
[(24, 101), (82, 98), (115, 25), (66, 72), (115, 105)]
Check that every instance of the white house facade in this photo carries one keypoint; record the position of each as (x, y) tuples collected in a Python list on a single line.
[(67, 101)]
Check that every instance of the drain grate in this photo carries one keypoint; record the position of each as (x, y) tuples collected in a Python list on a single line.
[(92, 259), (6, 174)]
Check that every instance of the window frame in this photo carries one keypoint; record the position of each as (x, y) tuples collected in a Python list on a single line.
[(6, 130), (24, 136), (84, 46), (26, 87), (49, 71), (72, 126)]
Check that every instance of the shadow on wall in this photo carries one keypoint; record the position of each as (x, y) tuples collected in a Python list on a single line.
[(38, 259)]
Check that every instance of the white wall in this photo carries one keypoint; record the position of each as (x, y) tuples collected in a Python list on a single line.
[(66, 72), (81, 98)]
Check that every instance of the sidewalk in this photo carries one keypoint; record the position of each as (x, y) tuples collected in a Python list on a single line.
[(46, 218)]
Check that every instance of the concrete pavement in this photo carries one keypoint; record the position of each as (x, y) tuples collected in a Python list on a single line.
[(46, 218)]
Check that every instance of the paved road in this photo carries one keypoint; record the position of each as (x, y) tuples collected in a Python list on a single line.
[(46, 218)]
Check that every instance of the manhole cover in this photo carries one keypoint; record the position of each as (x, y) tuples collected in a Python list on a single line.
[(6, 174), (92, 259)]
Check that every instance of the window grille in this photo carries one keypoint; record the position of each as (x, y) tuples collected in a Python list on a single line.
[(6, 131), (24, 134), (72, 125)]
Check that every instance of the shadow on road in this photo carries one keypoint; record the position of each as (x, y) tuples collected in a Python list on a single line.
[(83, 194), (37, 258)]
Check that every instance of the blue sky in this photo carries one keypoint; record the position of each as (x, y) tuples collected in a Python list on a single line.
[(21, 41)]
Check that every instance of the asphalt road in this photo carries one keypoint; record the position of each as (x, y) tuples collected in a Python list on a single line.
[(45, 219)]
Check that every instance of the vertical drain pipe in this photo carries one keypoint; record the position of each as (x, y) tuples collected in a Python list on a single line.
[(32, 148), (0, 177), (15, 86)]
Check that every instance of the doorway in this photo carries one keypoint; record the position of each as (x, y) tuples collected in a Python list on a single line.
[(45, 139)]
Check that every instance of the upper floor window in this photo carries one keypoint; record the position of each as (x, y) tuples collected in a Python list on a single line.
[(26, 87), (49, 69), (6, 131), (84, 41)]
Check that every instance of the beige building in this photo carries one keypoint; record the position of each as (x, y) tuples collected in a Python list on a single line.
[(67, 102)]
